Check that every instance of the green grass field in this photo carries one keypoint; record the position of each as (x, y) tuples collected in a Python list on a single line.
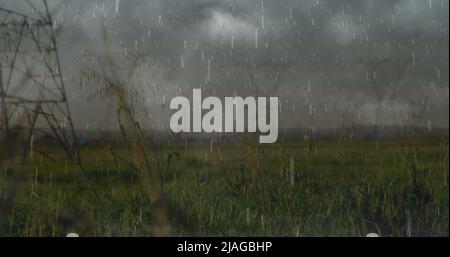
[(348, 188)]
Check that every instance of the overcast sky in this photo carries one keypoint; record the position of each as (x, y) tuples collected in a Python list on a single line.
[(330, 62)]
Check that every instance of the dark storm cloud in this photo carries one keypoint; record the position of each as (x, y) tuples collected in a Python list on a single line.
[(318, 56)]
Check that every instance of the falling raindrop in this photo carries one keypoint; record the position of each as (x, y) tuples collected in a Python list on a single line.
[(256, 37), (209, 70), (117, 6)]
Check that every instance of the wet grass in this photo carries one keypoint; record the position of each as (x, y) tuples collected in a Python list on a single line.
[(391, 187)]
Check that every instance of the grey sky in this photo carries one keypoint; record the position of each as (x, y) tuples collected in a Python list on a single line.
[(318, 56)]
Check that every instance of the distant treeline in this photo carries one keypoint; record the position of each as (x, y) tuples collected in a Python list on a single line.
[(367, 133)]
